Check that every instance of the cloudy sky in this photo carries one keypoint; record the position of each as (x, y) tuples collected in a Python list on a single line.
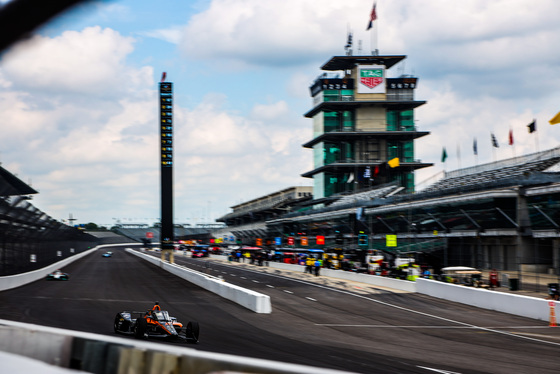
[(79, 101)]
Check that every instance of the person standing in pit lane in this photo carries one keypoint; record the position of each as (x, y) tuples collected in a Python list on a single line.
[(494, 282), (317, 267), (309, 262)]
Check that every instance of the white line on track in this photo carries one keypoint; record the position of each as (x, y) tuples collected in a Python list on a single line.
[(438, 370), (494, 330), (256, 281), (310, 298), (429, 327), (268, 285)]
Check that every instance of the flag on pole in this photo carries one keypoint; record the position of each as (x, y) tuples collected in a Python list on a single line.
[(163, 76), (532, 126), (494, 141), (372, 17), (510, 137), (555, 119), (443, 155), (475, 147)]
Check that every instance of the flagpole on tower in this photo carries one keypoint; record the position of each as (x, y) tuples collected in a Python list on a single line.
[(475, 151), (494, 146), (458, 155), (373, 17), (537, 135), (511, 142)]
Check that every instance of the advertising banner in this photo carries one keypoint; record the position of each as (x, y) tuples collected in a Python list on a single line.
[(371, 79), (391, 241)]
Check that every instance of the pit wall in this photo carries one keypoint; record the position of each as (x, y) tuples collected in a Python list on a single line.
[(255, 301), (13, 281), (520, 305)]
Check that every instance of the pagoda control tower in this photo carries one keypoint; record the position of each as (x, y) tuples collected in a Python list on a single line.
[(363, 126)]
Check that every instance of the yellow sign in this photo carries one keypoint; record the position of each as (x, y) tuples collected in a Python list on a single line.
[(391, 241)]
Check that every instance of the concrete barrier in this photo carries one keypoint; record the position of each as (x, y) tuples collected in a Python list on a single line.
[(255, 301), (374, 280), (519, 305), (95, 353), (14, 281)]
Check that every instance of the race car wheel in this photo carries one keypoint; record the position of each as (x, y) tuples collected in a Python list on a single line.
[(192, 331), (140, 328), (116, 323)]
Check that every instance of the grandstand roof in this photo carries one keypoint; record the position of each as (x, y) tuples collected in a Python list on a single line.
[(350, 166), (517, 167), (10, 185), (369, 195), (347, 105), (351, 135), (348, 62)]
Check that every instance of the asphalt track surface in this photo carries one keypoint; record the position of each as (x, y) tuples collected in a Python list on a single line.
[(315, 321)]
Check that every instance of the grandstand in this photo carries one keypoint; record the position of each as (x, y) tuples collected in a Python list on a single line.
[(375, 193), (515, 168), (247, 222), (138, 232), (29, 238)]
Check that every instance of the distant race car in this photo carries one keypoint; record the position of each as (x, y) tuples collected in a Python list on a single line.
[(155, 323), (107, 254), (58, 275)]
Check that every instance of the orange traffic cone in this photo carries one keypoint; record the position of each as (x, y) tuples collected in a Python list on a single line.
[(552, 319)]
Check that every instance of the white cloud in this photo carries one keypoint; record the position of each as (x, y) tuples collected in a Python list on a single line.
[(63, 121), (267, 32), (219, 153), (90, 62), (171, 34)]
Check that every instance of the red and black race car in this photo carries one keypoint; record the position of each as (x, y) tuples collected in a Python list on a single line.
[(155, 323)]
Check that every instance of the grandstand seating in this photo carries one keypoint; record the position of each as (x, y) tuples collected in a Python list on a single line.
[(139, 233), (492, 175), (367, 195), (32, 240)]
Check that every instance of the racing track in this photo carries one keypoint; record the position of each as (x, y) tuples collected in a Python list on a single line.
[(352, 327)]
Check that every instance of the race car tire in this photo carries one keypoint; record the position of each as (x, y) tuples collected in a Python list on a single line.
[(192, 331), (140, 328), (116, 323)]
